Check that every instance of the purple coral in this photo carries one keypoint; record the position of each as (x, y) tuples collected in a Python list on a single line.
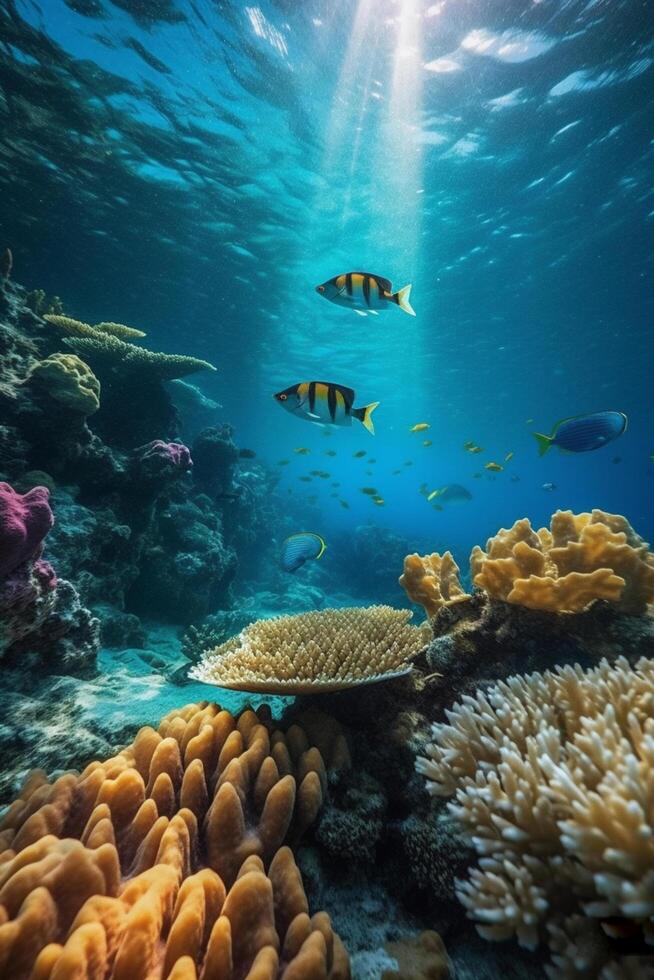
[(25, 519), (160, 457)]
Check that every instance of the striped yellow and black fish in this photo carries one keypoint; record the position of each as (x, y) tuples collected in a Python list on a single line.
[(364, 292), (325, 404)]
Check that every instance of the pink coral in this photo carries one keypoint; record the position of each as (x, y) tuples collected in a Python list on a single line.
[(25, 519), (160, 455)]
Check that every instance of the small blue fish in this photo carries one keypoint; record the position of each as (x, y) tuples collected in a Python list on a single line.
[(583, 433), (300, 548)]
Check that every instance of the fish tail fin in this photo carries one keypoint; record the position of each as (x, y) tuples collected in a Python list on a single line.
[(401, 297), (544, 442), (364, 415)]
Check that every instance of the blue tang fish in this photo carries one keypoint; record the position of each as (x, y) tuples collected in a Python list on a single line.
[(301, 547), (583, 433)]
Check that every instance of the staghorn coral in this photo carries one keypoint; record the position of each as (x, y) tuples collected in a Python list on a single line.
[(432, 581), (166, 860), (316, 651), (68, 380), (553, 781), (581, 558), (113, 352)]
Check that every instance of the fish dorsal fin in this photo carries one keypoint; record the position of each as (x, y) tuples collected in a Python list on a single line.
[(385, 284)]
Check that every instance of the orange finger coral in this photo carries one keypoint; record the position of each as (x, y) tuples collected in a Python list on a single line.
[(165, 861)]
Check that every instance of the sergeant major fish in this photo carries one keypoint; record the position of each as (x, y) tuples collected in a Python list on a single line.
[(325, 403), (365, 292)]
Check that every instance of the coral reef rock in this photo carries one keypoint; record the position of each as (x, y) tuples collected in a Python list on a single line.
[(552, 781), (166, 861), (42, 621), (327, 650)]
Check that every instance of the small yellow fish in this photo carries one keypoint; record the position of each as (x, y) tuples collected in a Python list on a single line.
[(302, 451), (420, 427), (427, 442), (508, 457), (379, 501), (283, 462), (434, 493), (345, 504), (529, 421), (371, 491), (468, 445), (330, 452), (494, 467), (359, 454), (397, 472), (475, 449)]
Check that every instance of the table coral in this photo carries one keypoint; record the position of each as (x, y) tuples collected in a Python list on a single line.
[(432, 581), (107, 349), (552, 778), (68, 380), (316, 651), (25, 519), (166, 861)]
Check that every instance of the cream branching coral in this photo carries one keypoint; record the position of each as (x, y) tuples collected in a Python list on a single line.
[(111, 351), (580, 558), (166, 860), (317, 651), (553, 781), (432, 581), (68, 380), (77, 328), (109, 343)]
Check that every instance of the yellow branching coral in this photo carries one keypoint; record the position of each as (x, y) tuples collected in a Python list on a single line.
[(166, 860), (553, 779), (70, 381), (432, 581), (114, 352), (317, 651), (581, 558)]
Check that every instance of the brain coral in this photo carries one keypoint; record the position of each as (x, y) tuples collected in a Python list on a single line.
[(316, 651), (166, 860), (70, 381), (553, 781)]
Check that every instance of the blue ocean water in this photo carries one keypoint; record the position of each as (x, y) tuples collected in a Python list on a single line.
[(196, 169)]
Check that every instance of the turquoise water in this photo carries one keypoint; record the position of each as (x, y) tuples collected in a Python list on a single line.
[(196, 169)]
